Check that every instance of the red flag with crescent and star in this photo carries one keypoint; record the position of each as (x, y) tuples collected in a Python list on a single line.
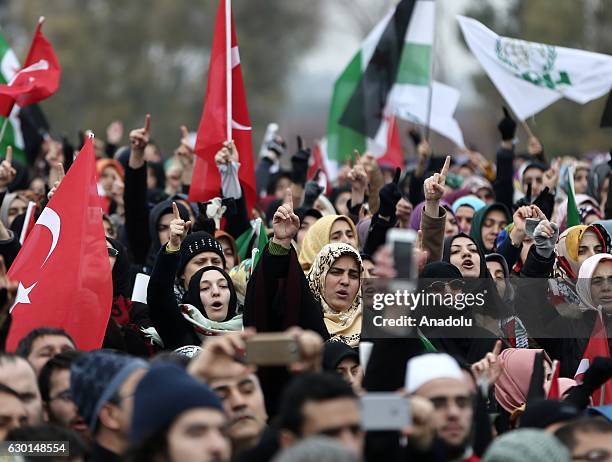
[(37, 80), (225, 116), (63, 270)]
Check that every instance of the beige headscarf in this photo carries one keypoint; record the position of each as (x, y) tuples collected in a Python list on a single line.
[(344, 326), (317, 236)]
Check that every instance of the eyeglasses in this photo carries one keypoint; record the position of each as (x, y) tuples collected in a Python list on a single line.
[(440, 286), (64, 396), (112, 252), (594, 455), (443, 402)]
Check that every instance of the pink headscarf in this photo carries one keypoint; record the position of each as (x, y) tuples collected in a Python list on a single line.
[(513, 383)]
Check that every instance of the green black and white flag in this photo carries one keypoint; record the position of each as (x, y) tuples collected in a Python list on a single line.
[(9, 66)]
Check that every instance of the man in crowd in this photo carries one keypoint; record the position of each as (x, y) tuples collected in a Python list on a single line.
[(587, 438), (18, 374), (438, 377), (102, 385), (54, 384), (42, 344), (324, 404), (12, 411)]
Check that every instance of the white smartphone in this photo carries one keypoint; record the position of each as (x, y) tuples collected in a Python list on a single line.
[(384, 412), (402, 242)]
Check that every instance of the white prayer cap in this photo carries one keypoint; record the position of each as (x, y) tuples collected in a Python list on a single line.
[(430, 366)]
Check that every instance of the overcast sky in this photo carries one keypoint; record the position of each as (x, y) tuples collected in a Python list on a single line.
[(312, 82)]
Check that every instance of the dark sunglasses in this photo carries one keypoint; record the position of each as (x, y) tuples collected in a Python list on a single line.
[(112, 252), (440, 286)]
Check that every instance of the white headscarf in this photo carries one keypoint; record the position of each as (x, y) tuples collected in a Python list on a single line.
[(585, 275)]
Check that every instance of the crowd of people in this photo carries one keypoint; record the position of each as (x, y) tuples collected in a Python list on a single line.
[(178, 377)]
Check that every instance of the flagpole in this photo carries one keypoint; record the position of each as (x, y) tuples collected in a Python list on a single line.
[(431, 72), (228, 65), (3, 129)]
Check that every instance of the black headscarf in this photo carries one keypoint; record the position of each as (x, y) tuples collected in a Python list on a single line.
[(193, 292), (121, 269), (446, 254)]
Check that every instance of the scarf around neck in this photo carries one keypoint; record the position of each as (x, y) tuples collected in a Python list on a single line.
[(344, 326)]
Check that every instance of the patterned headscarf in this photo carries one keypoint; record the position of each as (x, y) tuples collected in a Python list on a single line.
[(317, 236), (567, 249), (343, 326)]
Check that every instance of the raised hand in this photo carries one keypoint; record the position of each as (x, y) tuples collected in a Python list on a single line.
[(534, 147), (358, 176), (7, 171), (178, 229), (285, 223), (59, 174), (507, 127), (488, 369), (139, 138), (518, 233), (550, 179), (434, 185), (389, 195)]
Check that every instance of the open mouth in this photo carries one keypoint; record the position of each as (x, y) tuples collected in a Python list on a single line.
[(342, 293), (78, 425), (217, 305), (467, 264)]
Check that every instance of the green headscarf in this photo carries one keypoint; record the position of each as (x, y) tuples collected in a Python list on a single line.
[(478, 220)]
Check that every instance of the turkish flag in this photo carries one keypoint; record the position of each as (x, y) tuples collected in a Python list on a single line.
[(37, 80), (394, 155), (597, 346), (63, 269), (318, 163), (213, 130)]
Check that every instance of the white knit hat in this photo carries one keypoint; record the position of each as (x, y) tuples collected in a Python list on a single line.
[(430, 366)]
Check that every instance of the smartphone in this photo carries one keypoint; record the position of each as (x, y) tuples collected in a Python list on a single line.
[(272, 349), (402, 242), (530, 226), (384, 412)]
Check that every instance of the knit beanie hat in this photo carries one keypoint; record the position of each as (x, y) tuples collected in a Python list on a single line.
[(96, 376), (165, 392), (526, 444), (197, 243)]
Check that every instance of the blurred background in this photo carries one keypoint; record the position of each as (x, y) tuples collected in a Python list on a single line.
[(121, 59)]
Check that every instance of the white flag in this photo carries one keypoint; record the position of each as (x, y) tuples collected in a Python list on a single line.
[(531, 76), (414, 106)]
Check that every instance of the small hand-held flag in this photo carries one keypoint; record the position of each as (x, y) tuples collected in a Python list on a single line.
[(225, 116), (573, 214), (63, 270)]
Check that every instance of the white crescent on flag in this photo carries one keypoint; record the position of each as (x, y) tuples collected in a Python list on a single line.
[(50, 220)]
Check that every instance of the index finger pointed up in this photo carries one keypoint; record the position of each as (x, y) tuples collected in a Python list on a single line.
[(497, 348), (506, 113), (147, 125), (60, 171), (184, 132), (175, 211), (300, 144), (419, 239), (357, 156), (289, 198), (445, 167), (9, 154)]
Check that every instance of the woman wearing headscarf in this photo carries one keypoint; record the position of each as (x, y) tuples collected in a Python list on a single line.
[(328, 229), (464, 209), (209, 305), (487, 223), (335, 282), (327, 300)]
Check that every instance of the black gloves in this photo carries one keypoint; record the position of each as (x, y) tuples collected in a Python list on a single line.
[(299, 163), (507, 126), (390, 194), (312, 190)]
